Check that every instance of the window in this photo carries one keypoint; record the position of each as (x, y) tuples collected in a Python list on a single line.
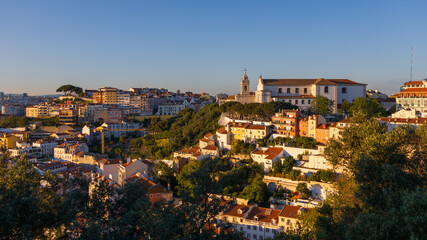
[(248, 227), (305, 90), (302, 101), (296, 101), (280, 90), (290, 101), (296, 90), (288, 90), (254, 228), (309, 101), (241, 229), (326, 89), (344, 90), (255, 236)]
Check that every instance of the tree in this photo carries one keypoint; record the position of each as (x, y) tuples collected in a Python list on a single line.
[(164, 172), (370, 107), (345, 106), (303, 190), (322, 105), (288, 164), (277, 166), (256, 192)]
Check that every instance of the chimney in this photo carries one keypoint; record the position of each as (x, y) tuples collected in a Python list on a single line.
[(129, 160)]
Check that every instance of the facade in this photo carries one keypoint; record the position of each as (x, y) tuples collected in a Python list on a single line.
[(261, 223), (413, 95), (267, 156), (108, 115), (286, 123), (308, 125), (128, 169), (299, 92), (254, 132), (68, 113), (237, 130)]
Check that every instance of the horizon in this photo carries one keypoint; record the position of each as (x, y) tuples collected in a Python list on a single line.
[(204, 46)]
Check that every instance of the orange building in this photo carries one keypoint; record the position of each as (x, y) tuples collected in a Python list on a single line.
[(322, 133), (286, 123)]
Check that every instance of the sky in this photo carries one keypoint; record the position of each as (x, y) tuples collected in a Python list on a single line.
[(204, 46)]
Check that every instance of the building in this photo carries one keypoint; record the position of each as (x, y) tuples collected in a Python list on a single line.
[(108, 115), (155, 192), (223, 140), (261, 223), (131, 167), (299, 92), (308, 125), (336, 129), (267, 156), (68, 113), (255, 132), (237, 130), (413, 95), (8, 141), (322, 133), (105, 95), (286, 123)]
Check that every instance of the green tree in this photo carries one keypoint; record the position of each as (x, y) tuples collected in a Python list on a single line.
[(345, 106), (288, 164), (369, 107), (322, 105), (303, 190), (257, 191)]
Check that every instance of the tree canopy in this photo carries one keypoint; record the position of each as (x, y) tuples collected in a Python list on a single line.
[(322, 105)]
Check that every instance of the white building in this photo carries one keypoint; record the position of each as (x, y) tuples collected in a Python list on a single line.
[(300, 92), (267, 156)]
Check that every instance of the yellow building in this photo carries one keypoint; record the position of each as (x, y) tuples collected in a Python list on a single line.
[(238, 130), (254, 132), (8, 141)]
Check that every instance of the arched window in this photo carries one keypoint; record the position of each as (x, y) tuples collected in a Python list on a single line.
[(288, 90), (280, 90), (305, 90), (326, 89), (296, 90)]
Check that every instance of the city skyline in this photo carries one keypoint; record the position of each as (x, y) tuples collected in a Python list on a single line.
[(204, 47)]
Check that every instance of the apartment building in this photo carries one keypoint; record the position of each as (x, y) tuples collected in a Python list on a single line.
[(286, 123)]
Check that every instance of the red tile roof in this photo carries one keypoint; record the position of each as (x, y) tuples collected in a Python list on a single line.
[(271, 152), (291, 211), (222, 131), (258, 127)]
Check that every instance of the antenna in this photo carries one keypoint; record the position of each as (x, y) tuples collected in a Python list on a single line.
[(412, 57)]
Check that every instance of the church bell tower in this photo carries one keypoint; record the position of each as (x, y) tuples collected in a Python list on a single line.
[(244, 84)]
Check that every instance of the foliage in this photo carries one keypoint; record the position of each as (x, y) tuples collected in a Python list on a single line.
[(241, 147), (370, 107), (256, 192), (383, 195), (322, 105), (306, 142), (68, 89), (184, 130), (13, 122), (285, 166), (94, 210), (254, 110), (303, 190), (323, 175)]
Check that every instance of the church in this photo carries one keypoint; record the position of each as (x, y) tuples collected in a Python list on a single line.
[(299, 92)]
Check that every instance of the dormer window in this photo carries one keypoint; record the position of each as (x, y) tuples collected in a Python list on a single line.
[(256, 218)]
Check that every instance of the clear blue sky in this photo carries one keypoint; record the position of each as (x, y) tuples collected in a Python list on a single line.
[(203, 46)]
